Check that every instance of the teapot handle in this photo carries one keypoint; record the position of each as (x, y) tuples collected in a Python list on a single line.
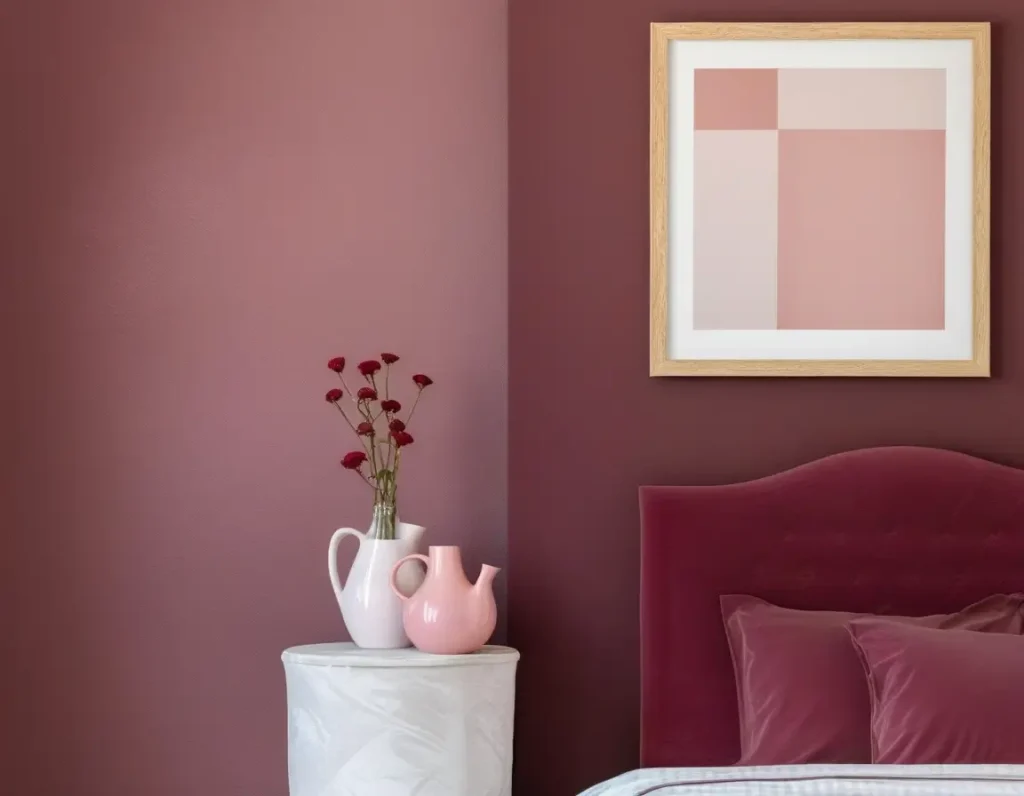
[(394, 572), (332, 556)]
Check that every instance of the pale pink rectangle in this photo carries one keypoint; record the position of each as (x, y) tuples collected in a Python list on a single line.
[(736, 191), (861, 229), (862, 99)]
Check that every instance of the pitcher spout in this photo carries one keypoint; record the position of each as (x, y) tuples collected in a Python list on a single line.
[(409, 533), (487, 575)]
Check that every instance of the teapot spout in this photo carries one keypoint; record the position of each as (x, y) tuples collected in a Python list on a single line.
[(487, 575)]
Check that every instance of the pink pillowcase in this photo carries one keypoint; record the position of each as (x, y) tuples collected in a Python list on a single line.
[(802, 693), (942, 696)]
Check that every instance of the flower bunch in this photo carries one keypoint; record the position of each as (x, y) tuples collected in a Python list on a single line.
[(379, 429)]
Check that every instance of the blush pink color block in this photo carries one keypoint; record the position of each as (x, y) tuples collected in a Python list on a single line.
[(735, 232), (861, 229), (735, 99)]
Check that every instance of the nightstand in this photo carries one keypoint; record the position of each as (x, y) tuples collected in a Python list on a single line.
[(395, 722)]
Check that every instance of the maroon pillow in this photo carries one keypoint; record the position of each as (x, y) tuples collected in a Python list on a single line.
[(800, 683), (942, 696)]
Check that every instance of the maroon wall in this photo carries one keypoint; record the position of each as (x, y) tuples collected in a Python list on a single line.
[(201, 201), (587, 425)]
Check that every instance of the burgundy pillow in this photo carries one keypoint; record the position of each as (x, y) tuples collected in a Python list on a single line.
[(942, 696), (800, 683)]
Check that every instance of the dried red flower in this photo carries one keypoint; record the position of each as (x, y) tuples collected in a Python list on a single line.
[(402, 438), (375, 469), (353, 460)]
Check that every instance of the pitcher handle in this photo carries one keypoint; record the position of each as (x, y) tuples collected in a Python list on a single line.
[(332, 556), (398, 564)]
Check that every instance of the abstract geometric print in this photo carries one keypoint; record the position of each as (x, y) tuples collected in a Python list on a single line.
[(819, 198)]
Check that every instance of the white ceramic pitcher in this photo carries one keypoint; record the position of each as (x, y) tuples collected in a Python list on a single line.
[(371, 610)]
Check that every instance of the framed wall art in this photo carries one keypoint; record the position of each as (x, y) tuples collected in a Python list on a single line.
[(820, 199)]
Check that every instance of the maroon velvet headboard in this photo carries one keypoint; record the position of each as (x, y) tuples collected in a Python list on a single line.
[(884, 530)]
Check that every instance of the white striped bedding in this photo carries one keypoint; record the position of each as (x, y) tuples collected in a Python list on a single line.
[(818, 780)]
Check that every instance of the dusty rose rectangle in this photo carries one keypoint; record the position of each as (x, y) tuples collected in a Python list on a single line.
[(861, 229), (735, 99), (862, 99), (736, 193)]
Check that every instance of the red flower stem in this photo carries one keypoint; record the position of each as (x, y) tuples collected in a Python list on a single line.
[(385, 460), (394, 478), (358, 435), (348, 392), (413, 410), (367, 480), (376, 469), (364, 410), (387, 378)]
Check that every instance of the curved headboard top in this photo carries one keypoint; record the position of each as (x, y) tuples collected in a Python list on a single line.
[(899, 530)]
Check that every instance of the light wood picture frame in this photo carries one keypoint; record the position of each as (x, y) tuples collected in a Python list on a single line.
[(820, 199)]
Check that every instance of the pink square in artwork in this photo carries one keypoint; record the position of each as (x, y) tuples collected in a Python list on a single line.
[(861, 218), (735, 99)]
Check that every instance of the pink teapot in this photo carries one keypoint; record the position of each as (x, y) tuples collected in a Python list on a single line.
[(448, 615)]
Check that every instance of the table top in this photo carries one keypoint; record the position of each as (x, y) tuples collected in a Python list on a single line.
[(348, 654)]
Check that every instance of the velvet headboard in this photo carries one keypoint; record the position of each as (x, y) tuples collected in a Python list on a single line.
[(884, 530)]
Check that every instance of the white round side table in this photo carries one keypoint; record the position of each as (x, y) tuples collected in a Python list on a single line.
[(396, 722)]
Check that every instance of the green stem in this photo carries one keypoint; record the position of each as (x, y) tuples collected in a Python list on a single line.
[(384, 521), (394, 477)]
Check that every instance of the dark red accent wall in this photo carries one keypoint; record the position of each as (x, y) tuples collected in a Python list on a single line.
[(587, 424)]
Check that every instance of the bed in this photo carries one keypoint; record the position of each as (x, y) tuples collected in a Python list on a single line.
[(888, 531)]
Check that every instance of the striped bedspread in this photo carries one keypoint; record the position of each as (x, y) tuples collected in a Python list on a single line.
[(818, 780)]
